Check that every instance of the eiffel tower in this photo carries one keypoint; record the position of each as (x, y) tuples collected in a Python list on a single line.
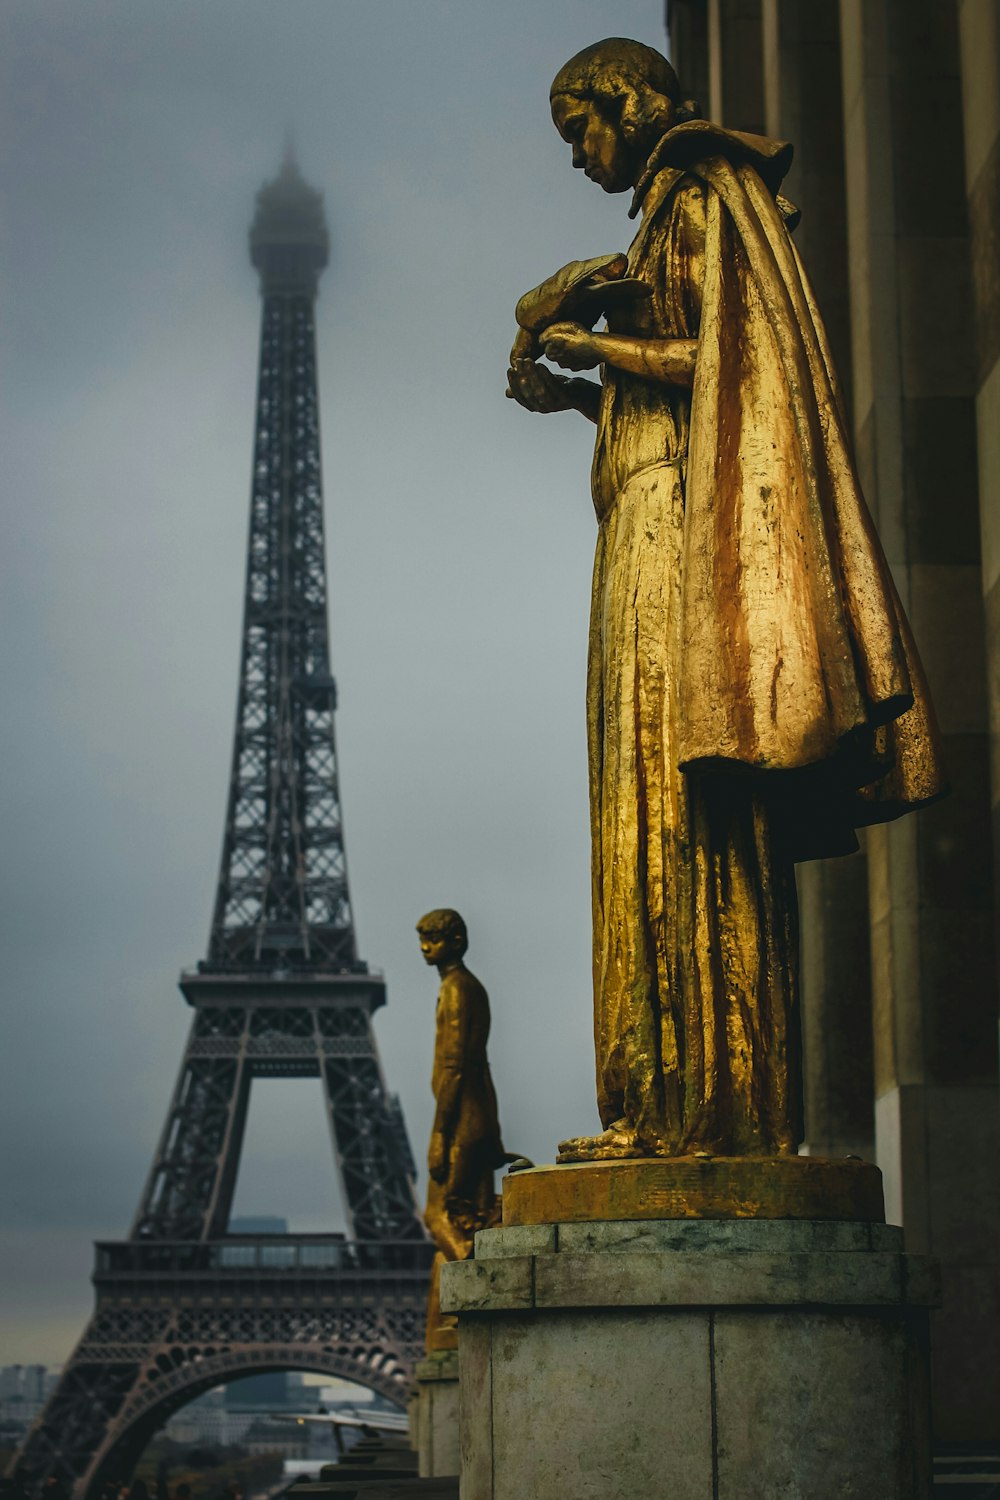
[(182, 1305)]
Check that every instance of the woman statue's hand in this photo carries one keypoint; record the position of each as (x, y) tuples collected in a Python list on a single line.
[(570, 345), (536, 388)]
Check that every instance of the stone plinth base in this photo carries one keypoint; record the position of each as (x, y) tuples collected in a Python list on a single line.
[(696, 1187), (434, 1415), (742, 1359)]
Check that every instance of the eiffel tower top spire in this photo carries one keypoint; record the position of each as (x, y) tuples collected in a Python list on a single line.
[(282, 901), (289, 240)]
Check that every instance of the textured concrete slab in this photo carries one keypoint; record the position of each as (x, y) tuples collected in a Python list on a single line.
[(437, 1416), (835, 1378), (706, 1280), (589, 1365), (735, 1235), (475, 1410), (518, 1239), (692, 1264), (441, 1365), (470, 1284)]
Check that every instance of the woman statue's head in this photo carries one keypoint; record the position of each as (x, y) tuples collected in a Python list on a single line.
[(612, 102)]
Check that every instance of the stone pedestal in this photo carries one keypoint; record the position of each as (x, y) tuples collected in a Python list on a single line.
[(434, 1415), (697, 1359)]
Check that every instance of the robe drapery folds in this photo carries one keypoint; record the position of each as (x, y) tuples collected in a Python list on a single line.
[(797, 656)]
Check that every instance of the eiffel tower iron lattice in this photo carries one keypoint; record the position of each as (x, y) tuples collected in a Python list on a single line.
[(182, 1305)]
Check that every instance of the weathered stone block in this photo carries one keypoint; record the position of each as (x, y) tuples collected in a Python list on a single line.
[(469, 1284), (679, 1279), (587, 1367), (695, 1358), (475, 1410), (516, 1239), (835, 1378), (735, 1235), (436, 1419)]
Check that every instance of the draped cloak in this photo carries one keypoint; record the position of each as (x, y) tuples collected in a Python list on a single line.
[(753, 690), (798, 656)]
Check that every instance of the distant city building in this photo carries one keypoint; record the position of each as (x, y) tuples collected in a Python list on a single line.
[(210, 1424), (24, 1390), (286, 1438), (342, 1393), (25, 1382)]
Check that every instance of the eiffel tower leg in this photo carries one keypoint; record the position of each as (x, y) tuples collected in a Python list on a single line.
[(369, 1138), (63, 1441), (189, 1191)]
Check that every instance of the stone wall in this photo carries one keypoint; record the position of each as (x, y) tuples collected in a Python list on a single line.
[(894, 106)]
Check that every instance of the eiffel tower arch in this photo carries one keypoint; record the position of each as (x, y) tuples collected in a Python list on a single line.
[(183, 1305)]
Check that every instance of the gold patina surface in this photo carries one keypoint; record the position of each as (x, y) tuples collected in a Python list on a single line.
[(753, 693), (689, 1187)]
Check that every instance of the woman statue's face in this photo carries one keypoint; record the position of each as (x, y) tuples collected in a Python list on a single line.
[(599, 148)]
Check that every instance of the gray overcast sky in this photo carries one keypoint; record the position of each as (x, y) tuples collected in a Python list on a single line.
[(460, 537)]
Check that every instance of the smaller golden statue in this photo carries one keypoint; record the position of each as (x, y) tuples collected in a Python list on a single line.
[(465, 1148)]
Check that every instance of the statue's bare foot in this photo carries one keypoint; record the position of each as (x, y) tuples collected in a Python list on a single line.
[(617, 1143)]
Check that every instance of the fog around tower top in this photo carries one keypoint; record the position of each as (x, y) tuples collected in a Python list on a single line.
[(460, 537)]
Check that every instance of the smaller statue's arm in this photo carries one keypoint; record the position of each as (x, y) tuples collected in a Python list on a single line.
[(450, 1066), (449, 1089)]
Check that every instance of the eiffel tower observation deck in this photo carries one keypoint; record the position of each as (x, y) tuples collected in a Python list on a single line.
[(183, 1305)]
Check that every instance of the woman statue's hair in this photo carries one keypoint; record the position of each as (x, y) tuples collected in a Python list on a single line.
[(632, 83)]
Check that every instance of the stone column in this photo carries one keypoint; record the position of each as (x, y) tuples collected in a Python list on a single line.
[(838, 1082), (979, 30), (735, 64), (930, 876), (687, 32), (802, 104)]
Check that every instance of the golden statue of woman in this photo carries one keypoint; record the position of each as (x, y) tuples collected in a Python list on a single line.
[(753, 692)]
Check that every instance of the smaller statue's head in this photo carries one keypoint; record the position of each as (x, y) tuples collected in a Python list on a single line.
[(612, 102), (442, 936)]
